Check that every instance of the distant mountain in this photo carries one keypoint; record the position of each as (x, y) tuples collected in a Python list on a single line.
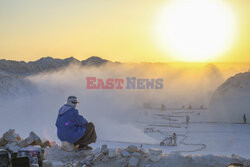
[(44, 64), (232, 99), (94, 61)]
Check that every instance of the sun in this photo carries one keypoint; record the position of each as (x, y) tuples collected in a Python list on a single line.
[(195, 30)]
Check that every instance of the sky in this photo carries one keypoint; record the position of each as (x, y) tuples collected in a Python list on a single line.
[(118, 30)]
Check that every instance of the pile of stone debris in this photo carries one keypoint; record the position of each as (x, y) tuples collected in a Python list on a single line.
[(15, 151), (132, 156), (12, 141)]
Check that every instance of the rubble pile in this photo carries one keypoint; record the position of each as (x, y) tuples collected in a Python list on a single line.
[(31, 147), (12, 141), (132, 156), (43, 154)]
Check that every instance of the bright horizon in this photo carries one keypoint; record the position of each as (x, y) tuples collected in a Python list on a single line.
[(126, 31)]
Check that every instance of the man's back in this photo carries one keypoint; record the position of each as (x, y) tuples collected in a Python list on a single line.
[(70, 125)]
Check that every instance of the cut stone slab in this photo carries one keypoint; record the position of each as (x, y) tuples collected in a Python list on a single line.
[(154, 158), (113, 153), (124, 153), (155, 151), (133, 162), (132, 148)]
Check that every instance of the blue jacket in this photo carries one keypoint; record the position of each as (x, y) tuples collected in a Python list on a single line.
[(70, 125)]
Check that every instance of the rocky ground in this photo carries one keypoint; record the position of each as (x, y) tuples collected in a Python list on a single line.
[(131, 156)]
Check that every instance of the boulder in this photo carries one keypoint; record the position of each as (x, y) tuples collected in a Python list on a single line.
[(132, 148), (155, 151), (77, 164), (136, 154), (46, 163), (45, 144), (98, 157), (22, 143), (12, 147), (11, 136), (124, 153), (133, 162), (34, 165), (113, 153), (3, 142), (33, 139), (89, 158), (142, 151), (57, 164), (96, 151), (154, 158), (66, 146)]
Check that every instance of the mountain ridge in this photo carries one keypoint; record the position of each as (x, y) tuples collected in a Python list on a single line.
[(45, 64)]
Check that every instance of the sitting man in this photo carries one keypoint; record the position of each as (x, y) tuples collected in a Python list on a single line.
[(74, 128)]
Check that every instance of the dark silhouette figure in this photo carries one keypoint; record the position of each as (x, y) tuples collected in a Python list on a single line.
[(244, 119)]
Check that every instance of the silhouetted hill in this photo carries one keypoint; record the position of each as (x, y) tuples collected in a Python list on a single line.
[(44, 64)]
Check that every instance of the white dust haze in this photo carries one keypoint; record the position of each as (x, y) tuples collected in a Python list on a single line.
[(112, 111)]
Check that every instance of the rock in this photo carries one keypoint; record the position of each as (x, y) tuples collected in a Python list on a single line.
[(104, 149), (142, 151), (124, 153), (133, 162), (66, 146), (132, 148), (22, 143), (155, 151), (12, 147), (33, 139), (46, 163), (113, 153), (77, 164), (3, 142), (96, 151), (89, 158), (147, 165), (34, 165), (99, 157), (68, 165), (45, 144), (154, 158), (136, 155), (57, 164), (11, 136), (122, 161)]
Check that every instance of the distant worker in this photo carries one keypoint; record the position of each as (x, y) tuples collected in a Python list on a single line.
[(72, 128), (162, 107), (175, 139), (244, 119), (187, 119)]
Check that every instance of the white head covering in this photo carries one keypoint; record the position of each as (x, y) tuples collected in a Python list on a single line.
[(72, 101)]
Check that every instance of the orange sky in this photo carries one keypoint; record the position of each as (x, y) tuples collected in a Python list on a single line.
[(118, 30)]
